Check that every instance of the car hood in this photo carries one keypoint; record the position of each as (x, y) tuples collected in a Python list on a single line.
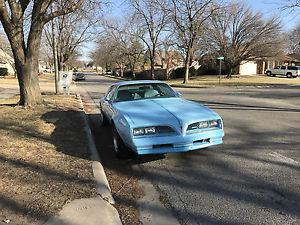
[(176, 112)]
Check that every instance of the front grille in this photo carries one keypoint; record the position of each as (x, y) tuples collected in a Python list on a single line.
[(164, 130)]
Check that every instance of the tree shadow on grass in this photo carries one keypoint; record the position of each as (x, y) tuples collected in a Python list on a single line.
[(9, 104), (37, 182), (68, 136)]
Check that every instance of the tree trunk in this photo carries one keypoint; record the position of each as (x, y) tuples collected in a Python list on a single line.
[(187, 67), (60, 66), (229, 75), (121, 70), (27, 73), (30, 93), (152, 62), (132, 67)]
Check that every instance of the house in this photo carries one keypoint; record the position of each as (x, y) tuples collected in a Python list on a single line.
[(168, 59), (248, 68), (6, 61), (259, 66)]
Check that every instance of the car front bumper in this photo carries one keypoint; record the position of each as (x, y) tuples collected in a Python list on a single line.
[(177, 143)]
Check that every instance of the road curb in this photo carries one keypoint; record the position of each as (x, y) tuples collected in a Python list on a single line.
[(102, 185)]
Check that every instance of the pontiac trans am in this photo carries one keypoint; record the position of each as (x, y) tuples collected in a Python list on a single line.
[(149, 117)]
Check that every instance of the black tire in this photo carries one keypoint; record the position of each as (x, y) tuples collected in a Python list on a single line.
[(105, 121), (122, 152), (289, 75), (269, 73)]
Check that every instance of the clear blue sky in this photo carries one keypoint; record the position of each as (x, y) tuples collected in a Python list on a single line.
[(268, 7)]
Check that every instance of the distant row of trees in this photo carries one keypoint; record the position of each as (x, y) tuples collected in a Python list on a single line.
[(192, 27)]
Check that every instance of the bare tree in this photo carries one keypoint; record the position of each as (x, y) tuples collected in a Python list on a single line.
[(126, 41), (290, 4), (189, 17), (152, 20), (238, 34), (294, 40), (106, 53), (73, 30), (25, 44)]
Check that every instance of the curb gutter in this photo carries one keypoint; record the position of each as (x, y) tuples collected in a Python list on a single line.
[(102, 185)]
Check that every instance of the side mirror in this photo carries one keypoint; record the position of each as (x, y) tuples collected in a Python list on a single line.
[(107, 100), (178, 94)]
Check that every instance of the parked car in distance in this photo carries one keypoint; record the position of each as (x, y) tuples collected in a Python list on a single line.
[(288, 71), (77, 76), (109, 72), (47, 70), (149, 117)]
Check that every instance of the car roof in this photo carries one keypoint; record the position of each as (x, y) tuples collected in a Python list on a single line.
[(138, 82)]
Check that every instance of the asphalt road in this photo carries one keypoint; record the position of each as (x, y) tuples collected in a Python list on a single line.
[(252, 178)]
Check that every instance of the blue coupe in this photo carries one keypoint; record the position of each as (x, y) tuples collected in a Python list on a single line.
[(149, 117)]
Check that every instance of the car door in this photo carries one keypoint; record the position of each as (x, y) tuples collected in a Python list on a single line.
[(106, 103), (283, 70)]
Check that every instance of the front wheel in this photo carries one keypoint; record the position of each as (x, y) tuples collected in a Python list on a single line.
[(122, 152), (269, 73), (289, 75)]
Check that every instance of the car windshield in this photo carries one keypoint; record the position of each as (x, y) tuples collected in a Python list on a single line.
[(143, 91)]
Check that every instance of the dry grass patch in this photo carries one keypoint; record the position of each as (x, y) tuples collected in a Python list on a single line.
[(44, 160), (237, 81)]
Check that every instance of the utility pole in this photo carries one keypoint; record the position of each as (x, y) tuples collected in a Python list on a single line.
[(54, 49)]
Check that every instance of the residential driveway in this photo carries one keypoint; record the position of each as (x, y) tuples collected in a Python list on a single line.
[(253, 178)]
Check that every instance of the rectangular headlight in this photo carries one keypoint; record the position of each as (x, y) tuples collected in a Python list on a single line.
[(150, 130), (144, 131), (138, 131), (203, 124), (198, 125)]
